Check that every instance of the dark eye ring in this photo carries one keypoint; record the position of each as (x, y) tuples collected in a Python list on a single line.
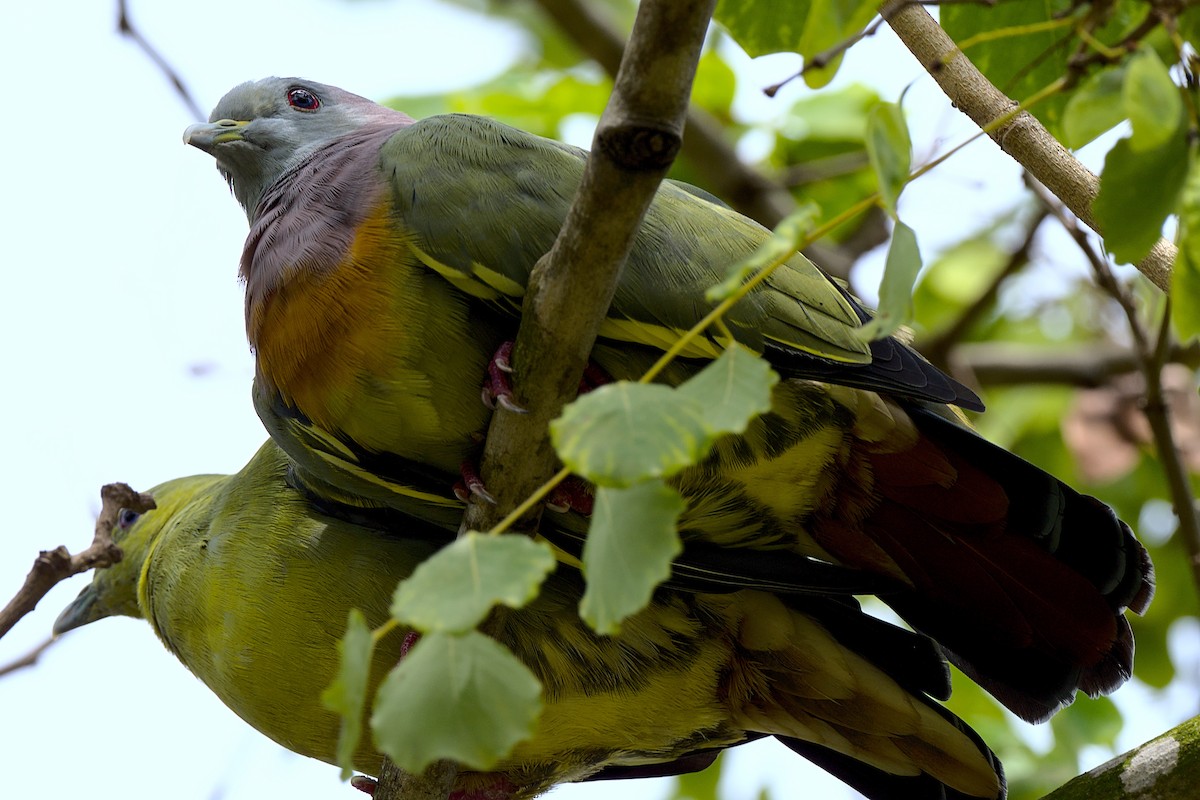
[(303, 99), (126, 517)]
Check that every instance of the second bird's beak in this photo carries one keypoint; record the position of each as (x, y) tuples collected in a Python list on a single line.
[(83, 609), (208, 135)]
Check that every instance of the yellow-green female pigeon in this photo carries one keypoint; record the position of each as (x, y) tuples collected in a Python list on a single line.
[(249, 584), (385, 266)]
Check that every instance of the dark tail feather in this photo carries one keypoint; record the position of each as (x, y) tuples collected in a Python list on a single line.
[(1031, 605)]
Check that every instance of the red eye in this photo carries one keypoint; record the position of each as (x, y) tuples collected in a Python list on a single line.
[(303, 99)]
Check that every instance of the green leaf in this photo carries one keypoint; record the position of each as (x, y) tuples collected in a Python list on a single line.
[(732, 390), (1185, 276), (1152, 101), (782, 245), (895, 292), (347, 695), (890, 149), (807, 27), (1094, 108), (456, 587), (1131, 217), (764, 26), (455, 696), (628, 552), (624, 432)]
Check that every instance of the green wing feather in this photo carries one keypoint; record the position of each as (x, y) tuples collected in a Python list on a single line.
[(513, 190)]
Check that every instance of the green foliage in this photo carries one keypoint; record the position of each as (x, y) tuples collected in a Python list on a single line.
[(455, 588), (347, 695), (1185, 278), (455, 696), (626, 438), (1021, 63), (895, 293), (1155, 154), (630, 545), (889, 148), (700, 785), (1094, 108), (625, 432), (808, 27)]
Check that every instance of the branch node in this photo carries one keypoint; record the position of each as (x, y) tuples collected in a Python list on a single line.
[(640, 148)]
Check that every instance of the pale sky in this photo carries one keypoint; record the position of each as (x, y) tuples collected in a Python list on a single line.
[(125, 357)]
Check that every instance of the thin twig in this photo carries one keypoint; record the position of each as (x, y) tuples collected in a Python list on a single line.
[(1151, 356), (1003, 364), (51, 567), (822, 59), (126, 27), (29, 659)]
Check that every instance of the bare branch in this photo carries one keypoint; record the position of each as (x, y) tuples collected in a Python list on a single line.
[(994, 364), (126, 27), (51, 567), (29, 659), (1150, 357), (1022, 136)]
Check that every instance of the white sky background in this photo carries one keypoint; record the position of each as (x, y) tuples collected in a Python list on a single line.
[(124, 355)]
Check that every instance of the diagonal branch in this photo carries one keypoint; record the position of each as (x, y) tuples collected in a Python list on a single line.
[(705, 146), (1022, 136), (126, 27), (1151, 356)]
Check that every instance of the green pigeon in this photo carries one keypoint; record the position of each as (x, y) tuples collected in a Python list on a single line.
[(385, 267), (249, 583)]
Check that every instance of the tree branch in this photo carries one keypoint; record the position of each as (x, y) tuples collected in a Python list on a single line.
[(570, 290), (1166, 768), (126, 27), (704, 143), (1022, 136), (1150, 356), (52, 567), (1003, 364), (571, 287)]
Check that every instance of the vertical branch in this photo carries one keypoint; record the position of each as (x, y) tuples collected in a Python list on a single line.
[(571, 287)]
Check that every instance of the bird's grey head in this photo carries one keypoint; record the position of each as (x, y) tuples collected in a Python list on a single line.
[(261, 129)]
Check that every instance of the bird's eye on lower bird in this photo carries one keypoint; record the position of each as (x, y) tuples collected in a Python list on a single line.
[(126, 518), (303, 99)]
